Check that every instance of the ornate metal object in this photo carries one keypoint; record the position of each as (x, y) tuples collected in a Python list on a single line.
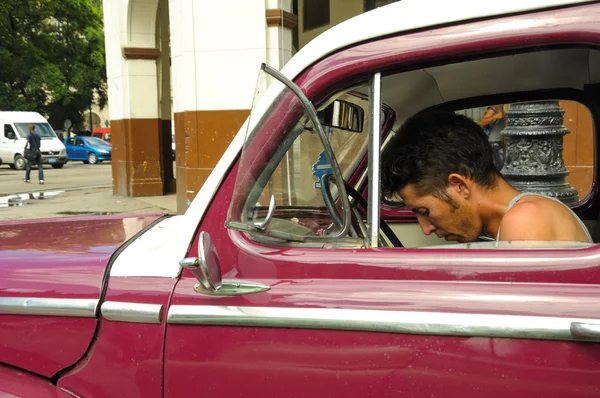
[(533, 160)]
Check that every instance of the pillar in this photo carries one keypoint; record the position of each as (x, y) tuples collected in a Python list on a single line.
[(131, 59), (216, 52), (534, 150)]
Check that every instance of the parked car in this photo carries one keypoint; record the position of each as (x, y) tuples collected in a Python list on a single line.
[(267, 287), (90, 150), (15, 129), (103, 133)]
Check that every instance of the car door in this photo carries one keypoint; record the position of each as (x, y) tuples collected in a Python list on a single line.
[(8, 143), (79, 149), (306, 317), (70, 147)]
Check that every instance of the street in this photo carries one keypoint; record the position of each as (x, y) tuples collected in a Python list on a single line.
[(76, 189), (72, 175)]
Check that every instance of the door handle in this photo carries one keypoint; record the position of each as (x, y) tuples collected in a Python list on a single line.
[(587, 330)]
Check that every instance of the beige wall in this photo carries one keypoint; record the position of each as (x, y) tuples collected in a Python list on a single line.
[(339, 11)]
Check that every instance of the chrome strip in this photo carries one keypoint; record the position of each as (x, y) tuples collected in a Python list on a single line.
[(119, 311), (410, 322), (374, 162), (81, 308)]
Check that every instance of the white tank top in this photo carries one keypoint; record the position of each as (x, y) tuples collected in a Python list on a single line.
[(518, 197)]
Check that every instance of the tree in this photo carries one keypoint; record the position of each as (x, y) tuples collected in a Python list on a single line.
[(52, 57)]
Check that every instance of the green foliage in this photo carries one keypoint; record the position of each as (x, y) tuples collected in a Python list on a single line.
[(52, 57)]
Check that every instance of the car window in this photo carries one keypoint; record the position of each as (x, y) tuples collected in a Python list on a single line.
[(8, 129), (43, 129), (299, 176), (93, 141), (70, 141)]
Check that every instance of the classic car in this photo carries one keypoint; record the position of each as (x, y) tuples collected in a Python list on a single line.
[(90, 150), (290, 276)]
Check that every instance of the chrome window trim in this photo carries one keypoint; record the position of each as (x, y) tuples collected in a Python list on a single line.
[(409, 322), (69, 307), (373, 155), (119, 311)]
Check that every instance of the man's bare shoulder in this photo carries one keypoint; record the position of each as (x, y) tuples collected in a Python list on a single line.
[(528, 220)]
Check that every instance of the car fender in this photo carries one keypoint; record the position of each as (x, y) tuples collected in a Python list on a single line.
[(16, 383)]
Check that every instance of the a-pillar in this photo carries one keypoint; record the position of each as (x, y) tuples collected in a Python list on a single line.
[(216, 49), (131, 58)]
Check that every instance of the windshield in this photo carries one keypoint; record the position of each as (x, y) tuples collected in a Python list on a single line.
[(93, 141), (107, 137), (43, 129)]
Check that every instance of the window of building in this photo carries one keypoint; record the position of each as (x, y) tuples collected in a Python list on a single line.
[(316, 14)]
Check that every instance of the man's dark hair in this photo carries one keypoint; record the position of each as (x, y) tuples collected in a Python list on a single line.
[(429, 147)]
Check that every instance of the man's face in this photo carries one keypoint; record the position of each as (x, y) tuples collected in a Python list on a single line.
[(453, 219)]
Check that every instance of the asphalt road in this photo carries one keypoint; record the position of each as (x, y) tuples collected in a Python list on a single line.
[(73, 175)]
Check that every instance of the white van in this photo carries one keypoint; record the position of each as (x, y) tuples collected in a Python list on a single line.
[(14, 128)]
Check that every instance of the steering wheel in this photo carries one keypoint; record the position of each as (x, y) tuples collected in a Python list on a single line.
[(337, 219)]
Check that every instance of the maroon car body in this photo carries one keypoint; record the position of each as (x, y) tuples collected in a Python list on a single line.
[(101, 308)]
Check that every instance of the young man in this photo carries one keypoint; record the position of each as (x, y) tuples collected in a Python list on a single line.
[(34, 142), (441, 165)]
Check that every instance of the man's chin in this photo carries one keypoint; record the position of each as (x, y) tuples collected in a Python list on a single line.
[(459, 239)]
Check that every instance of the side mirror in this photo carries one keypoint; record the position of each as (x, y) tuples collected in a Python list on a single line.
[(207, 270), (10, 135), (343, 115)]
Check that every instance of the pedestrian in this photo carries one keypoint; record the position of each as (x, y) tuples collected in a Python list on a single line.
[(33, 154)]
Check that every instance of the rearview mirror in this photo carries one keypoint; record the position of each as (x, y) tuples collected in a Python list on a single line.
[(343, 115)]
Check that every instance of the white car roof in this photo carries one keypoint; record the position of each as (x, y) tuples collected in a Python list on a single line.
[(22, 117), (403, 16)]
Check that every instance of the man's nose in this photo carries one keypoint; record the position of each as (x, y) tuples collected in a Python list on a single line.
[(425, 225)]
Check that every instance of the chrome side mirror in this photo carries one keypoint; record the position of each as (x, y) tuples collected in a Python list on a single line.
[(207, 270)]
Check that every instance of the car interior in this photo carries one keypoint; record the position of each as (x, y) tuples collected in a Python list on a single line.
[(569, 75)]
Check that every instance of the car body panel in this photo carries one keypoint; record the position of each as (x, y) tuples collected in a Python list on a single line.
[(55, 259), (127, 358), (15, 383)]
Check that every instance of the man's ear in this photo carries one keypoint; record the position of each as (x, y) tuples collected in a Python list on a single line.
[(460, 184)]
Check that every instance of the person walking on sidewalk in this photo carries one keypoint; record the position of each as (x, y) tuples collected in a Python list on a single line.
[(33, 154)]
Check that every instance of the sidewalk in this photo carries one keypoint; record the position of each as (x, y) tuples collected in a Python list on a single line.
[(73, 202)]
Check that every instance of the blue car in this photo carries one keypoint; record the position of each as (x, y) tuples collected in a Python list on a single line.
[(90, 150)]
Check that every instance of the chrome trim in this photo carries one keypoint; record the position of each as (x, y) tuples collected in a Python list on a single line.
[(119, 311), (373, 157), (409, 322), (587, 330), (80, 308), (263, 225)]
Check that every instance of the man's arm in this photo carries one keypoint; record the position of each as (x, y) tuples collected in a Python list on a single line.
[(490, 116), (526, 221)]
